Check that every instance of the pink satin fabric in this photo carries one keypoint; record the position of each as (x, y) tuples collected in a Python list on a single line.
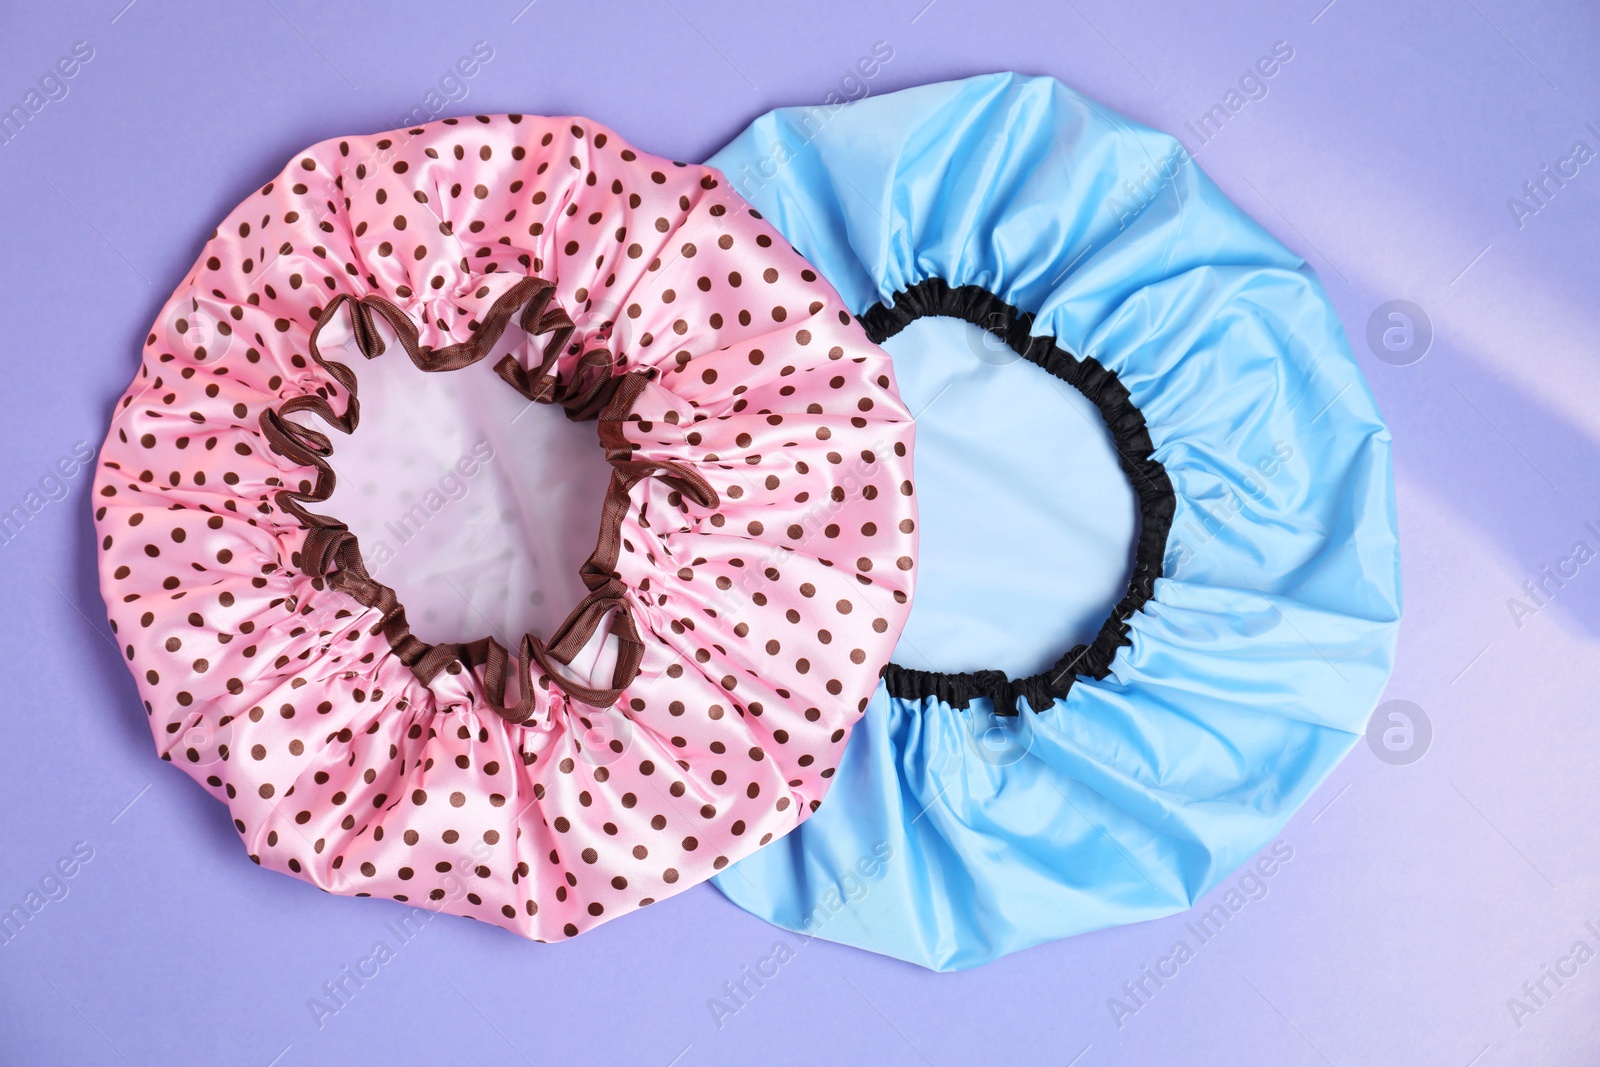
[(766, 618)]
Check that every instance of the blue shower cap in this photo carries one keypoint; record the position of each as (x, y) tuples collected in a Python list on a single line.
[(982, 809)]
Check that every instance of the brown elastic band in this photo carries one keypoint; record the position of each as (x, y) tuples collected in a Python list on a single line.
[(592, 390)]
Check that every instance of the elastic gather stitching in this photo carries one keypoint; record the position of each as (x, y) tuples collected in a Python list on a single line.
[(1147, 476)]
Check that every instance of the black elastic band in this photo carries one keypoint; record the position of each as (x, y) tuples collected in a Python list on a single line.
[(1148, 477)]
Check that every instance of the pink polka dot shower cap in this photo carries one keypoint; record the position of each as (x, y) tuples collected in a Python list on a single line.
[(751, 574)]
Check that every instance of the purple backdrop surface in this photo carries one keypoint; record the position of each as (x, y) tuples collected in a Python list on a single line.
[(1426, 887)]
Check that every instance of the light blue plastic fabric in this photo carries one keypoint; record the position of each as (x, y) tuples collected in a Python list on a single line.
[(951, 837)]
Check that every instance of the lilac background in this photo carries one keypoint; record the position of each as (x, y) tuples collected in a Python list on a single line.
[(1420, 897)]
